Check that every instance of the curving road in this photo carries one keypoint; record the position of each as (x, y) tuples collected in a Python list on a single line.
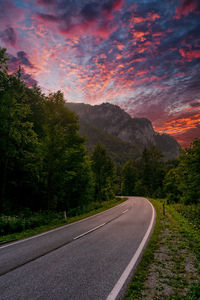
[(90, 259)]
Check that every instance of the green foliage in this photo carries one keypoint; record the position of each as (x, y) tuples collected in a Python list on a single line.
[(28, 223), (174, 240), (183, 182), (189, 173), (64, 157), (15, 224), (151, 173), (190, 212), (104, 173), (18, 141), (170, 186), (44, 164), (187, 226), (3, 62), (129, 175)]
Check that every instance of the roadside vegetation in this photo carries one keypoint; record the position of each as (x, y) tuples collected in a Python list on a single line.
[(46, 172), (45, 168), (169, 268), (28, 223), (170, 265)]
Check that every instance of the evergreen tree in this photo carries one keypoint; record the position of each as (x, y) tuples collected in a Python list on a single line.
[(66, 170), (43, 161), (152, 172), (128, 178), (104, 174), (171, 186), (188, 173), (18, 141)]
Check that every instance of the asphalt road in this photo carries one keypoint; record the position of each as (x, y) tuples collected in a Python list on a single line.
[(82, 261)]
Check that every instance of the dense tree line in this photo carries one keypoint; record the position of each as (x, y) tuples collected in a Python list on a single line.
[(182, 183), (144, 177), (45, 166), (178, 181), (43, 161)]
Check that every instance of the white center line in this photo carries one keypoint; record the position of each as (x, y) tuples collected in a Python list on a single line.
[(77, 237), (62, 227)]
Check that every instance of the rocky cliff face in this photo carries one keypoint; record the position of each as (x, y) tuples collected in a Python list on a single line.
[(113, 120)]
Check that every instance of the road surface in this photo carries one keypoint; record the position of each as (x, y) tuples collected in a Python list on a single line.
[(90, 259)]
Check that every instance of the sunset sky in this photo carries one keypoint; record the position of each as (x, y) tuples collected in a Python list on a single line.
[(141, 55)]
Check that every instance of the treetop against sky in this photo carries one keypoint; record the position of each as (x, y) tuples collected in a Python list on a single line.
[(142, 55)]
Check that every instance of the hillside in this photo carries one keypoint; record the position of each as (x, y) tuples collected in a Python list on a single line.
[(119, 150), (119, 132)]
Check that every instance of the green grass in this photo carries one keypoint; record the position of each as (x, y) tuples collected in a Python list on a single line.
[(175, 240), (190, 212), (137, 285), (50, 221), (187, 226)]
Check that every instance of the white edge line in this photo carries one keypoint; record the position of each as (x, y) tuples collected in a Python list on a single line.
[(120, 283), (93, 229), (61, 227)]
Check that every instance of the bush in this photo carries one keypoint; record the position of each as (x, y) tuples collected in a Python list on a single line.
[(16, 224), (190, 212)]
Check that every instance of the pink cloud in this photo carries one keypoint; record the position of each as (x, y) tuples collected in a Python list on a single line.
[(185, 7), (189, 55)]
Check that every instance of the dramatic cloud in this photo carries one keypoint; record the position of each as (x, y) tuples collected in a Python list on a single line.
[(185, 7), (21, 59), (9, 36), (142, 55)]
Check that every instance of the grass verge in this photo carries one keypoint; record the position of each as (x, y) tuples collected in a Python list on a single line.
[(137, 285), (54, 223), (169, 268)]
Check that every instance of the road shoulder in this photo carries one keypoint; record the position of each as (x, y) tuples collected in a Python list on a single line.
[(169, 268)]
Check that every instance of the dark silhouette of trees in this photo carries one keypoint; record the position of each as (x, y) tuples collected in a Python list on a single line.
[(43, 160), (104, 173), (183, 182), (128, 178)]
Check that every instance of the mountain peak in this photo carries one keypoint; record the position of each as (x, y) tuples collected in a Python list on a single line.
[(115, 121)]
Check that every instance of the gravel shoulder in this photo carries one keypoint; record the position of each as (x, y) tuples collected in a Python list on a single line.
[(170, 268)]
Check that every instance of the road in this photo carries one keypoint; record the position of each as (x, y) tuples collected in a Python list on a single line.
[(90, 259)]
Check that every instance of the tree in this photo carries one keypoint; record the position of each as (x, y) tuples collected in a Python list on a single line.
[(152, 172), (3, 61), (43, 161), (18, 141), (104, 174), (171, 186), (188, 173), (128, 178), (66, 170)]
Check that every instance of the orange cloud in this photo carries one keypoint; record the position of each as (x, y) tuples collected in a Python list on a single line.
[(182, 125), (139, 36), (190, 54), (150, 17)]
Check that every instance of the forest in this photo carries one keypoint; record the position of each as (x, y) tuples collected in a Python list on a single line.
[(45, 166)]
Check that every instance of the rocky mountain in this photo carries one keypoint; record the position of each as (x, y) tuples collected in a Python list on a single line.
[(114, 128)]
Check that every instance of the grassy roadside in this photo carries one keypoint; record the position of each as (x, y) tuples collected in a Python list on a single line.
[(137, 285), (54, 223), (170, 266)]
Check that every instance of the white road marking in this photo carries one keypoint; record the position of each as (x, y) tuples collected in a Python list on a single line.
[(120, 283), (62, 227), (93, 229), (124, 211)]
